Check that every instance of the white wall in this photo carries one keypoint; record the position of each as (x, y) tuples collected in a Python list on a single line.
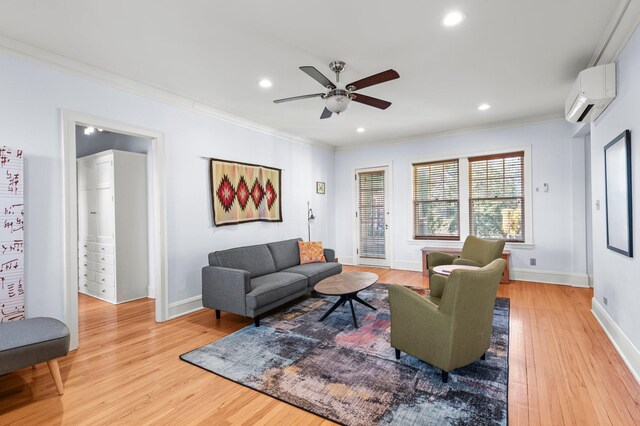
[(615, 275), (557, 159), (31, 100)]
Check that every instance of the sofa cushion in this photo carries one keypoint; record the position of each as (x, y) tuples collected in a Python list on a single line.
[(285, 253), (269, 288), (316, 272), (255, 259)]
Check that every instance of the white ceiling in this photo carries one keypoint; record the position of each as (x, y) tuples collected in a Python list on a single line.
[(519, 56)]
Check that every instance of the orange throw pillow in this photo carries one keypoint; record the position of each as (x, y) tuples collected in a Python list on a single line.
[(311, 252)]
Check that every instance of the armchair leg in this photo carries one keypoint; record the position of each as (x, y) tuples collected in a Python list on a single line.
[(445, 376), (398, 353), (257, 321), (217, 313), (484, 356)]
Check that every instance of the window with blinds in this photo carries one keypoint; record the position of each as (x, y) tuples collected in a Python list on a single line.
[(436, 205), (371, 214), (496, 196)]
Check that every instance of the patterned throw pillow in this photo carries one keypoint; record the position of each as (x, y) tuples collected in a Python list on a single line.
[(311, 252)]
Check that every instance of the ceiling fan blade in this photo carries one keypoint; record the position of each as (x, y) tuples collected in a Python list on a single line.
[(381, 77), (326, 113), (295, 98), (368, 100), (318, 76)]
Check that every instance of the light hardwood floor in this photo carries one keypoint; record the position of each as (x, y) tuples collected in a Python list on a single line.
[(563, 369)]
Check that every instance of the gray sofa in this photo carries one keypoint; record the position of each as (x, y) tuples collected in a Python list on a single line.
[(251, 280)]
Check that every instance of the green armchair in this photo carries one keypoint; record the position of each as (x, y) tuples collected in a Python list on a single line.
[(451, 331), (475, 252)]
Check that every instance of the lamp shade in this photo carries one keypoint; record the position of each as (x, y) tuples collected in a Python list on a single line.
[(338, 103)]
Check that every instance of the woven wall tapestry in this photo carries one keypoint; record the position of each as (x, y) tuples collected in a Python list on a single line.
[(245, 193)]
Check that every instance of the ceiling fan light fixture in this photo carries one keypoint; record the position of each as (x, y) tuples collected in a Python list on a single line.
[(337, 103), (483, 107), (360, 129)]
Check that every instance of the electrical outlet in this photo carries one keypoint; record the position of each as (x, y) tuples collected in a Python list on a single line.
[(604, 299), (532, 261)]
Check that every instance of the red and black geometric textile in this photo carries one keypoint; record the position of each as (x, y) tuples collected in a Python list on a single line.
[(242, 193), (226, 193), (255, 188)]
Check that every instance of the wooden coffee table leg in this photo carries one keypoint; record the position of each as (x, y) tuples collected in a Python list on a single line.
[(341, 301)]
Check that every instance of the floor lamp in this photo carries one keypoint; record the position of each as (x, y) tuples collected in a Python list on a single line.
[(310, 217)]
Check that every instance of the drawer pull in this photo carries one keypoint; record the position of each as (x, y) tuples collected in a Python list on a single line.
[(102, 249), (85, 275), (104, 269), (85, 265), (103, 258), (102, 280)]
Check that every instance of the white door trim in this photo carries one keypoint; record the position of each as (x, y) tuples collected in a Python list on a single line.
[(69, 121), (354, 196)]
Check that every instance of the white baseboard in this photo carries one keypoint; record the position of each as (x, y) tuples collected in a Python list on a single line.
[(346, 260), (629, 353), (185, 306), (550, 277), (151, 292), (407, 265)]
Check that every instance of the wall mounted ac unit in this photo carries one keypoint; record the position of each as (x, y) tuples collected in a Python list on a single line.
[(592, 92)]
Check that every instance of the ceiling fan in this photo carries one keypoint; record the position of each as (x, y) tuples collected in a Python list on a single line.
[(338, 96)]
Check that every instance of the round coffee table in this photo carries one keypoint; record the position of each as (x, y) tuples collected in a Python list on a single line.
[(346, 285), (447, 269)]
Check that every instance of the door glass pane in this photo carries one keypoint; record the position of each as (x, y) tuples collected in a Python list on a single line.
[(372, 214)]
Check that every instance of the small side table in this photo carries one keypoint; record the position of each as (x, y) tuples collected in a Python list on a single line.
[(456, 252), (447, 269)]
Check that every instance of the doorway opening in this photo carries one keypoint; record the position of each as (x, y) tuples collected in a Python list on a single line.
[(115, 236), (115, 219), (372, 217)]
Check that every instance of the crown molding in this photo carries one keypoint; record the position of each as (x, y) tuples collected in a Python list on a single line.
[(457, 132), (621, 27), (59, 62)]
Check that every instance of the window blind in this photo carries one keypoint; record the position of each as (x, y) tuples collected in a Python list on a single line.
[(496, 196), (436, 206), (372, 214)]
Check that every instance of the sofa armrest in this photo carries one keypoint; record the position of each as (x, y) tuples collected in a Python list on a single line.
[(225, 289), (438, 258), (330, 255)]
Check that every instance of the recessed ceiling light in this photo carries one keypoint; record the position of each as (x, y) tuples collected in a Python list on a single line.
[(89, 130), (265, 83), (483, 107), (360, 130), (453, 18)]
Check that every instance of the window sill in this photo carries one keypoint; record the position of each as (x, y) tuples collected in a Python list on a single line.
[(458, 244)]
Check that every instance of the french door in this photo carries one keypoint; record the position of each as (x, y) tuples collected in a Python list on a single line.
[(372, 216)]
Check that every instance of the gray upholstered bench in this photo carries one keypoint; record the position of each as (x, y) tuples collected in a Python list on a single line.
[(31, 341)]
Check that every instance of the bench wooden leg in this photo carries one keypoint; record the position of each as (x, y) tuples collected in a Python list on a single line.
[(55, 373)]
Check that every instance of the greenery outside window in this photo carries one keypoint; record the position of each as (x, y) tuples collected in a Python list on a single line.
[(436, 200), (496, 196)]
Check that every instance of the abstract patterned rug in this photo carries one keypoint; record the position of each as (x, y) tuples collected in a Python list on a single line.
[(351, 376)]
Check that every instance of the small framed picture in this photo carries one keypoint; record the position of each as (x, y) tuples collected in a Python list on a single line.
[(319, 187)]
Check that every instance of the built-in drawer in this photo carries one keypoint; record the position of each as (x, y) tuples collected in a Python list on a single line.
[(102, 258), (105, 279), (104, 248), (107, 292), (86, 275), (83, 285), (105, 268)]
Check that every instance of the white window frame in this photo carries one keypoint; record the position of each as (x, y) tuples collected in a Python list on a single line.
[(463, 170)]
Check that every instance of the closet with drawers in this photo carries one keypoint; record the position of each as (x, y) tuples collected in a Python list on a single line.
[(113, 226)]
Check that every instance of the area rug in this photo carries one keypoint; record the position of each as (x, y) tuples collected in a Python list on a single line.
[(350, 376)]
